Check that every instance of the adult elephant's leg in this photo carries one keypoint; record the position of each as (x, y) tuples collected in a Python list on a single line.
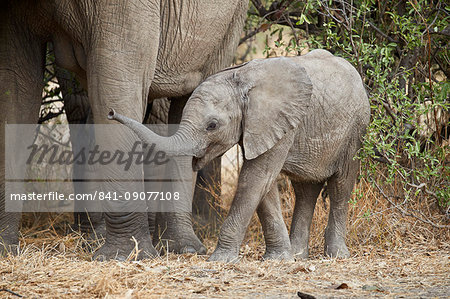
[(78, 112), (305, 200), (120, 67), (176, 227), (278, 246), (127, 231), (21, 76), (340, 188), (157, 114), (207, 187)]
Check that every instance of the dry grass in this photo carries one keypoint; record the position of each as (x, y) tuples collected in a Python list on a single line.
[(392, 255), (58, 267)]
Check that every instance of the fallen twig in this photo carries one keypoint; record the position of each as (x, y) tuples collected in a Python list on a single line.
[(11, 292)]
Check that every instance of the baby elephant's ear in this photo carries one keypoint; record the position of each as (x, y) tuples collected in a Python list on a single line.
[(278, 91)]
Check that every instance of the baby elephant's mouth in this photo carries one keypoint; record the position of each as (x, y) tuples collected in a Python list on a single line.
[(197, 163), (198, 160)]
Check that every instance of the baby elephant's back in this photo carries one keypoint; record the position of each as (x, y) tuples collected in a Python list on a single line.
[(335, 81), (336, 117)]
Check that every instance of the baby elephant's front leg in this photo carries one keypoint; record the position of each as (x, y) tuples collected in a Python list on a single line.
[(256, 179), (248, 196)]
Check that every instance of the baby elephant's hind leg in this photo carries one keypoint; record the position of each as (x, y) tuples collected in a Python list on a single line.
[(306, 196), (340, 188), (278, 246)]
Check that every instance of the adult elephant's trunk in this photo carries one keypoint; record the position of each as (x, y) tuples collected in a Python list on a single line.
[(178, 144)]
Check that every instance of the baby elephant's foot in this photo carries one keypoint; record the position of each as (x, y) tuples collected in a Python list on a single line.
[(278, 255), (126, 251), (337, 250), (225, 256)]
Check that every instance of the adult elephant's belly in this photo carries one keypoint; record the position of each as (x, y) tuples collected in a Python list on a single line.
[(197, 39), (70, 55), (174, 84)]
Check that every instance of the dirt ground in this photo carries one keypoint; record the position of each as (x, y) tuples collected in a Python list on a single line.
[(56, 268)]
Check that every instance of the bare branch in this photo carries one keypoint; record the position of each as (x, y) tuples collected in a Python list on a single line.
[(404, 212), (49, 116)]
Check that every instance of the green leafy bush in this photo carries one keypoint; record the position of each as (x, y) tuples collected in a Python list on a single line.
[(400, 48)]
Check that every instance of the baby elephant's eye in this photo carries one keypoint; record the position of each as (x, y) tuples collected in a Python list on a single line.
[(212, 125)]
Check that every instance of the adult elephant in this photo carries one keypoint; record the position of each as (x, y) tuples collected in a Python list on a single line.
[(124, 53)]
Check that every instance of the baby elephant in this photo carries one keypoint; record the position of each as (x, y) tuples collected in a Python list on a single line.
[(302, 116)]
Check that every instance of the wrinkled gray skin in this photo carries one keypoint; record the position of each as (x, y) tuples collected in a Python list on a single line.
[(203, 210), (124, 53), (303, 116), (78, 111)]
